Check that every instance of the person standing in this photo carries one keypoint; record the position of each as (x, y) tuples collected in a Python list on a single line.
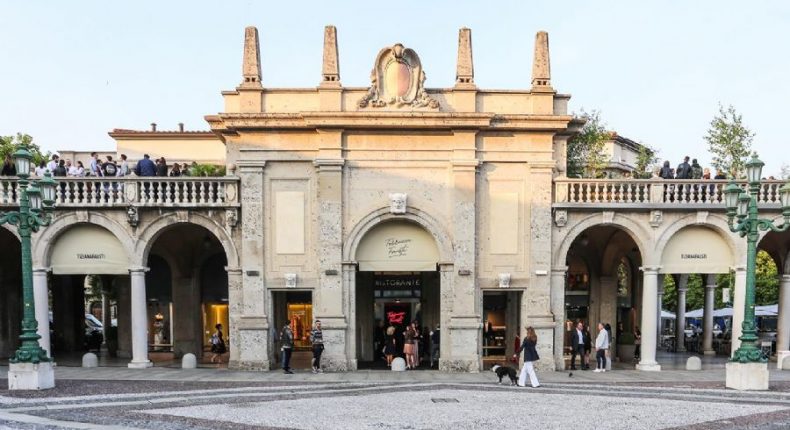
[(95, 165), (587, 347), (601, 346), (577, 345), (217, 344), (666, 171), (109, 168), (53, 163), (637, 343), (683, 170), (530, 356), (317, 339), (123, 168), (696, 170), (146, 167), (161, 167), (436, 339), (60, 169), (287, 339), (390, 345), (408, 345), (9, 168)]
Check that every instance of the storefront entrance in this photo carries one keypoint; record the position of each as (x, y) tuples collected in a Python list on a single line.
[(501, 331), (294, 308)]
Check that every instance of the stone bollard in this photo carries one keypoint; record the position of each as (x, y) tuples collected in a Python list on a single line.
[(398, 365), (189, 361), (786, 363), (90, 360), (693, 363)]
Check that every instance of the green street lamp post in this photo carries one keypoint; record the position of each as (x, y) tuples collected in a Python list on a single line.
[(743, 206), (31, 367)]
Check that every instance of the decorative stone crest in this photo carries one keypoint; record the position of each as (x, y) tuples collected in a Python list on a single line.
[(231, 193), (397, 79), (231, 218), (290, 280), (398, 203), (560, 218), (504, 280), (656, 218), (133, 216)]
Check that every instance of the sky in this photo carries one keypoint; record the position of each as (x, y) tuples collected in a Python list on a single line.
[(656, 70)]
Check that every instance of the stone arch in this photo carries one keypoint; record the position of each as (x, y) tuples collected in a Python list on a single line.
[(715, 222), (153, 230), (44, 242), (414, 215), (613, 254), (633, 228), (12, 230)]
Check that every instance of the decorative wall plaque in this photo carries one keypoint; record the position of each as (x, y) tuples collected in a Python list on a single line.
[(397, 79), (398, 203), (290, 280), (504, 280)]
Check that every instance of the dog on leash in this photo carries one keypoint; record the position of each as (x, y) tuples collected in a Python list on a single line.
[(502, 371)]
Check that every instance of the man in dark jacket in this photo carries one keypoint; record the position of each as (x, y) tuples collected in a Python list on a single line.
[(145, 167), (684, 169), (577, 346), (287, 339)]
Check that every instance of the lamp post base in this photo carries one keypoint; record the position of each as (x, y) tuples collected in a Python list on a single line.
[(747, 376), (29, 376)]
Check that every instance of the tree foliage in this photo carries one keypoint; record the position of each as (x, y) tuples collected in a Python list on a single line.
[(729, 141), (646, 161), (784, 171), (586, 151), (9, 145), (206, 170)]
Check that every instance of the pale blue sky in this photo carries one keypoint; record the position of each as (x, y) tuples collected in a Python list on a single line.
[(71, 71)]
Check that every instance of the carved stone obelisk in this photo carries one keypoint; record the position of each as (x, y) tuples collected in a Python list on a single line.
[(465, 71), (330, 69), (541, 67), (251, 63)]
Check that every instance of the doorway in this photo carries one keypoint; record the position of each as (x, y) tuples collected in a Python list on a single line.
[(294, 308), (501, 331)]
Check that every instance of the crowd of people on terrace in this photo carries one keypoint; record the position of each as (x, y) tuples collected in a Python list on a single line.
[(106, 167)]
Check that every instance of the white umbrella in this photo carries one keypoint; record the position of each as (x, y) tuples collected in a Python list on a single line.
[(667, 315)]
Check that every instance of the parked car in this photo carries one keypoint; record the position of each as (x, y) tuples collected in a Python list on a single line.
[(94, 333)]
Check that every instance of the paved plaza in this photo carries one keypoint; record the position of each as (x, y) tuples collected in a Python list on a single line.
[(168, 398)]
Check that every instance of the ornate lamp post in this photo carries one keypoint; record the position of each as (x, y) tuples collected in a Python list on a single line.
[(748, 368), (30, 368)]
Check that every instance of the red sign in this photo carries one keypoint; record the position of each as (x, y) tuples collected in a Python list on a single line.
[(395, 317)]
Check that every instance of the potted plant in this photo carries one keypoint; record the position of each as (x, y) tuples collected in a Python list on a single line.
[(626, 347)]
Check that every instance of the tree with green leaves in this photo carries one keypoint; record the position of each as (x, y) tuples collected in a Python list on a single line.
[(586, 155), (729, 142), (784, 171), (646, 160), (9, 145)]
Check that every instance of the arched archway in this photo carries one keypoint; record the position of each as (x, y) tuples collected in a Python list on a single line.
[(11, 292), (396, 282), (186, 289), (600, 286), (775, 246)]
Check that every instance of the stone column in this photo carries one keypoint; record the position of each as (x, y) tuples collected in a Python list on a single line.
[(680, 315), (332, 306), (41, 301), (647, 361), (187, 322), (558, 309), (139, 319), (783, 325), (660, 305), (234, 311), (738, 300), (446, 275), (252, 324), (707, 326)]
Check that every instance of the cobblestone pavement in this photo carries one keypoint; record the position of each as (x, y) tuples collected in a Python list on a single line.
[(211, 399)]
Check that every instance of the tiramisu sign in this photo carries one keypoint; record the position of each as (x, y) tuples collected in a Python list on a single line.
[(397, 247), (91, 256), (694, 256)]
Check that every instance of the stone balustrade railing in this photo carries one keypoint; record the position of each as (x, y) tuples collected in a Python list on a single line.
[(135, 191), (649, 192)]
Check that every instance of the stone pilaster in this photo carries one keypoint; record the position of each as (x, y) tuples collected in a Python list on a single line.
[(558, 275), (235, 298), (332, 306), (783, 325), (251, 326)]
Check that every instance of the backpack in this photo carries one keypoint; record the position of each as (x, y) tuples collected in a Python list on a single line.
[(109, 169), (214, 339)]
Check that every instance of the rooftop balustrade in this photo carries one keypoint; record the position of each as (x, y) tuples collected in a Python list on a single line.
[(197, 192), (665, 193)]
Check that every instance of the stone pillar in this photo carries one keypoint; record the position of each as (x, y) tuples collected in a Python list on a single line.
[(124, 316), (187, 321), (234, 311), (660, 306), (41, 301), (681, 283), (139, 319), (648, 361), (252, 324), (738, 300), (332, 306), (446, 275), (558, 309), (707, 326), (783, 325)]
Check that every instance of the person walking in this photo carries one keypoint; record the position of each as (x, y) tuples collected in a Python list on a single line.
[(577, 345), (601, 345), (287, 340), (530, 356), (217, 344), (317, 339)]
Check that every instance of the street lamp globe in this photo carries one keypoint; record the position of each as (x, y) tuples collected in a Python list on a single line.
[(34, 197), (743, 205), (47, 186), (22, 159), (754, 169), (731, 193)]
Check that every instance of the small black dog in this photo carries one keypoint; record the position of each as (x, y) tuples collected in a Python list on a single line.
[(501, 371)]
